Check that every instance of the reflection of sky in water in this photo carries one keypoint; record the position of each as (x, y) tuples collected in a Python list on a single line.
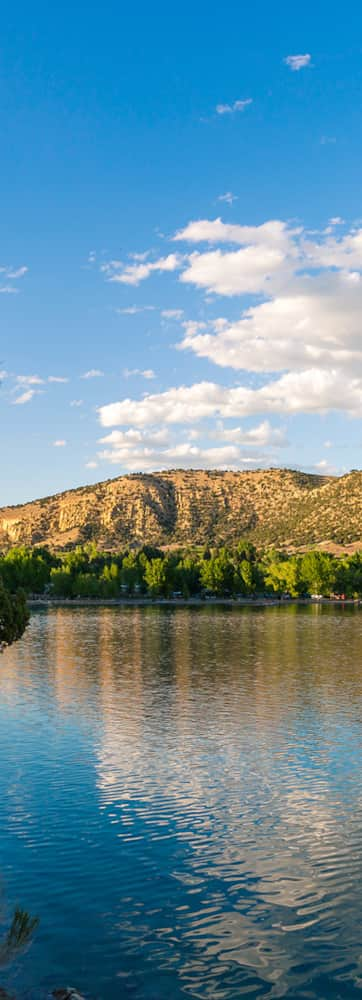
[(181, 801)]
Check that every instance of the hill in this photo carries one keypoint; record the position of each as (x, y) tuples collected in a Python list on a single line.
[(277, 507)]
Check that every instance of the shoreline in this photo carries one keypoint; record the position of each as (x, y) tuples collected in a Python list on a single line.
[(186, 602)]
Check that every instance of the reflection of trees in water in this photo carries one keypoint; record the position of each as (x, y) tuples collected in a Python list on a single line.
[(229, 729), (230, 737), (17, 940), (19, 935)]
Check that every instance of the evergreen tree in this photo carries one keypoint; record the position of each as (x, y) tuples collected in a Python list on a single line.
[(14, 615)]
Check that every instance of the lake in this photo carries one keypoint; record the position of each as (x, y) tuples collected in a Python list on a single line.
[(181, 802)]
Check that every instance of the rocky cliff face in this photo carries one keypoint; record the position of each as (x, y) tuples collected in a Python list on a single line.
[(185, 507)]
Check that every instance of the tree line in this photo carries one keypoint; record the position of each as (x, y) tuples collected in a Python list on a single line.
[(240, 570)]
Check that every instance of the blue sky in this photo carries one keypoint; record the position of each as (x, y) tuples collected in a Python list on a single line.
[(126, 135)]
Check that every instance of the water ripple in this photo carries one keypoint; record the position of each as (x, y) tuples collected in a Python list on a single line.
[(181, 802)]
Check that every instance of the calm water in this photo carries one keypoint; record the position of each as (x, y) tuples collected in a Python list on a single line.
[(181, 802)]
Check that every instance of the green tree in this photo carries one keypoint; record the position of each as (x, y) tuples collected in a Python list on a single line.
[(111, 580), (76, 561), (285, 575), (217, 573), (28, 569), (62, 583), (132, 574), (245, 577), (14, 615), (318, 572), (187, 576), (156, 577)]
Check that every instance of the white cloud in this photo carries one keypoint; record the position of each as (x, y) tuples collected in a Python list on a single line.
[(261, 436), (57, 378), (316, 322), (324, 467), (91, 465), (298, 62), (60, 443), (140, 256), (268, 251), (312, 391), (230, 109), (172, 313), (16, 272), (182, 457), (76, 402), (133, 310), (272, 233), (152, 449), (133, 274), (144, 373), (25, 397), (93, 373), (228, 197), (344, 252), (135, 436), (248, 270), (11, 274), (299, 329), (29, 380)]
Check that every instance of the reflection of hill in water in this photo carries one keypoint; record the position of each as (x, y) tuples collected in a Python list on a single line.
[(226, 748)]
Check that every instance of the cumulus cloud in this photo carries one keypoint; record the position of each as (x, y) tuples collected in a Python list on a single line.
[(312, 391), (135, 436), (316, 322), (133, 274), (152, 449), (261, 436), (248, 270), (230, 109), (311, 286), (267, 252), (299, 329), (272, 233), (298, 62), (182, 457), (338, 252)]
